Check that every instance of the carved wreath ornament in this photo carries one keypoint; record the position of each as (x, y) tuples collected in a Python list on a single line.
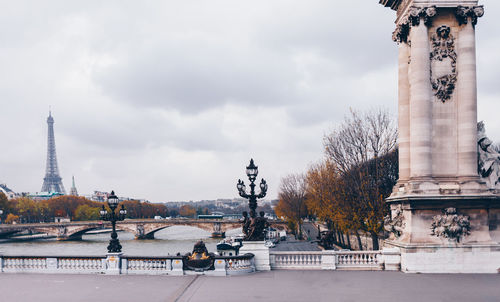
[(443, 50), (450, 225)]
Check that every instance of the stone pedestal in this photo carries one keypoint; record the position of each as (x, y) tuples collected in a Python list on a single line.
[(177, 267), (328, 260), (391, 258), (451, 258), (425, 252), (113, 263), (220, 267), (261, 253)]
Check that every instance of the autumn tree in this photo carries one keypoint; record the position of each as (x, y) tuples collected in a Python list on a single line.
[(11, 218), (327, 199), (187, 211), (4, 204), (348, 189), (359, 149), (138, 209), (292, 200)]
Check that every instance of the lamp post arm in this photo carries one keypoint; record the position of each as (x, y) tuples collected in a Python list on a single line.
[(243, 194)]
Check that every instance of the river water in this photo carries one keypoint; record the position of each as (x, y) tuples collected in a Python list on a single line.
[(168, 241)]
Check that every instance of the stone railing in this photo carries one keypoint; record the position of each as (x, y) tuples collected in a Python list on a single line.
[(295, 260), (121, 264), (387, 259), (359, 260), (237, 265), (52, 264), (148, 265)]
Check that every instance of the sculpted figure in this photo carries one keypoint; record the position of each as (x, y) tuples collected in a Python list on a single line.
[(245, 223), (199, 251), (489, 159), (256, 228)]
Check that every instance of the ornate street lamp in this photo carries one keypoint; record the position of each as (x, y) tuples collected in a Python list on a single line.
[(252, 172), (253, 226), (114, 244)]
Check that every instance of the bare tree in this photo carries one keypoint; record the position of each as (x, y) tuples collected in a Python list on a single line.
[(361, 149), (361, 137), (292, 199)]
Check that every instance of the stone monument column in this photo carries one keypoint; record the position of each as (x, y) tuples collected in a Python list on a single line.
[(467, 91), (404, 111), (444, 217), (420, 94)]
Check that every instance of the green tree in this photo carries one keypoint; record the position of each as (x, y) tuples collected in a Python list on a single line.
[(85, 212)]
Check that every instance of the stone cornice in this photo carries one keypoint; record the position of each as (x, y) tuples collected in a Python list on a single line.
[(393, 4), (402, 7)]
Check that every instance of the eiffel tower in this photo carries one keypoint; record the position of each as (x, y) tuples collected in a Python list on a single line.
[(52, 180)]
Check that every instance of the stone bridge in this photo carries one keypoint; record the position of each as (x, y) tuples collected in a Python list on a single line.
[(141, 228)]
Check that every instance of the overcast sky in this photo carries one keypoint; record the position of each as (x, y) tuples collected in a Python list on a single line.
[(168, 100)]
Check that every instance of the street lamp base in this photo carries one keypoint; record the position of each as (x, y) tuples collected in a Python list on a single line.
[(113, 261), (114, 246)]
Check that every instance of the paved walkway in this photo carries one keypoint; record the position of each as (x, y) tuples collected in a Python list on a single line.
[(263, 286)]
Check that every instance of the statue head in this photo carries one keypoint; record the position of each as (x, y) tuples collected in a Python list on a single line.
[(245, 214), (481, 132), (443, 31), (261, 213), (483, 141)]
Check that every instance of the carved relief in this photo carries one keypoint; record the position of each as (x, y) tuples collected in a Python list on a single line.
[(61, 231), (450, 225), (400, 35), (395, 225), (464, 13), (140, 230), (444, 59)]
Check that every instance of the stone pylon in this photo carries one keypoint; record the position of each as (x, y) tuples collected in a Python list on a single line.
[(52, 182), (443, 215)]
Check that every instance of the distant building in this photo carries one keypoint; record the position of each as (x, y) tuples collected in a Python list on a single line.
[(99, 196), (103, 196), (73, 190), (8, 192), (62, 219)]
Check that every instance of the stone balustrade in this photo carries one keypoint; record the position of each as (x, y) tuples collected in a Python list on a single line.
[(147, 265), (121, 264), (295, 260), (386, 259), (52, 264), (362, 260)]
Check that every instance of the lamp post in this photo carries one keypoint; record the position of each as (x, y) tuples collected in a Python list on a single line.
[(114, 244), (252, 171), (1, 213)]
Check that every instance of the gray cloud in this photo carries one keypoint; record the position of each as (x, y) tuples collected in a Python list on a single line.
[(168, 100)]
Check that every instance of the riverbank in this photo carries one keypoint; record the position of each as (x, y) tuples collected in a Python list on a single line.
[(262, 286)]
